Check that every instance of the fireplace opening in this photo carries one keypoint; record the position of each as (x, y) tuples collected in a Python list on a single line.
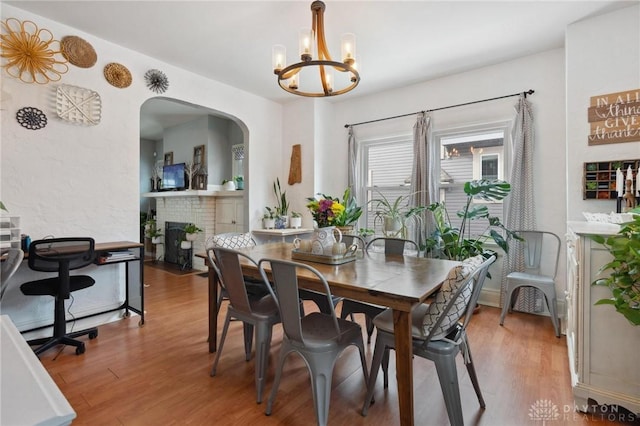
[(173, 253)]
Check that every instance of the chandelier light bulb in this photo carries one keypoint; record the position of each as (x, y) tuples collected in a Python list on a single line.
[(279, 57), (348, 48)]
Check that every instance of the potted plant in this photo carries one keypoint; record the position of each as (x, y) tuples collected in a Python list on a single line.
[(296, 220), (624, 280), (191, 231), (394, 216), (282, 206), (155, 235), (269, 219), (239, 180), (366, 234), (185, 244), (453, 243), (228, 185)]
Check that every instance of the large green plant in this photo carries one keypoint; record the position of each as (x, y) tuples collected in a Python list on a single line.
[(624, 280), (449, 242)]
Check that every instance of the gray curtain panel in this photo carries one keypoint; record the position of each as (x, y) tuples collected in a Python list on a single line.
[(424, 173), (520, 203), (353, 181)]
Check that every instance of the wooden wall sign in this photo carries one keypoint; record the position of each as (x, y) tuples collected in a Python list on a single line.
[(614, 118)]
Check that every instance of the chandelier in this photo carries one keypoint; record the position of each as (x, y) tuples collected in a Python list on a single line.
[(289, 77)]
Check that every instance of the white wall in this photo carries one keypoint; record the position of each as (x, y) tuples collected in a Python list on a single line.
[(68, 180), (603, 56)]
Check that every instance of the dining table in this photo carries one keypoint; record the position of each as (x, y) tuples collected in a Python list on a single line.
[(395, 281)]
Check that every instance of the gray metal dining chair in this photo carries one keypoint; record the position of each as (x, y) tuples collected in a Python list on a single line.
[(260, 314), (319, 338), (391, 246), (439, 334), (8, 267), (540, 250)]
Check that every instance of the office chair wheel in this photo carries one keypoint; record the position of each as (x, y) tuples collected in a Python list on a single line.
[(93, 334), (80, 349)]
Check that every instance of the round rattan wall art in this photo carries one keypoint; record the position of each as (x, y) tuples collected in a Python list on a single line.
[(117, 75), (157, 81), (31, 118), (30, 52), (78, 51)]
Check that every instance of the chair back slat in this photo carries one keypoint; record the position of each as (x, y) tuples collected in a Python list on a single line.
[(285, 279), (226, 263), (393, 246), (61, 254), (540, 251)]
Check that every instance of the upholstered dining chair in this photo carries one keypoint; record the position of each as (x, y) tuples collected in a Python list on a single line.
[(541, 250), (319, 338), (237, 240), (261, 314), (391, 246), (439, 334)]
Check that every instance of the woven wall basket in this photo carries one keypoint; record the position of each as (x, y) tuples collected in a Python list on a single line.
[(78, 51), (117, 75)]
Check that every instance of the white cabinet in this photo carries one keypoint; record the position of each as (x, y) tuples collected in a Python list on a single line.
[(603, 346), (229, 215)]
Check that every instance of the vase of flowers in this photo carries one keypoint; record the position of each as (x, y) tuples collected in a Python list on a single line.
[(330, 215), (330, 211)]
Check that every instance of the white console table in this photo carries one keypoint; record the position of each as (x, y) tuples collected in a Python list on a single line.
[(603, 346), (29, 394)]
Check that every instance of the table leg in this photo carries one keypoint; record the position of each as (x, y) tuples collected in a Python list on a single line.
[(404, 364), (213, 308)]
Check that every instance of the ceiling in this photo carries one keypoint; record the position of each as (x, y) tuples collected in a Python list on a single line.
[(398, 42)]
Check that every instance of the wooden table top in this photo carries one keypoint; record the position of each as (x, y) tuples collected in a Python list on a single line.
[(399, 282)]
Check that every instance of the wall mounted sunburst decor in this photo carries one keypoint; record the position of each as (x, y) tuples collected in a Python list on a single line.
[(31, 118), (157, 81), (30, 52)]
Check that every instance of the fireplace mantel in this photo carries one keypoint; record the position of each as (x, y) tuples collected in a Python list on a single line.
[(193, 193)]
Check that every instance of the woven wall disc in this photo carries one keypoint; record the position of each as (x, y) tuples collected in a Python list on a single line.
[(78, 51), (117, 75)]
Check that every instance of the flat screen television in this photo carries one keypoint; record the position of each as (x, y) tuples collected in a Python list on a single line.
[(173, 178)]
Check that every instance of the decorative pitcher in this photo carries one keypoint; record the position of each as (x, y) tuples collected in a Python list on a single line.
[(322, 240)]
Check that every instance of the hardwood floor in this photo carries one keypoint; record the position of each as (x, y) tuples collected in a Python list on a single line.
[(159, 374)]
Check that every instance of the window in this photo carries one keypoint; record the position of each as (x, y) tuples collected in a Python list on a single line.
[(470, 153), (385, 169)]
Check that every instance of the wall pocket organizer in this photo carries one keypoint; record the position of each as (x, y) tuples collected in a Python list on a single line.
[(599, 181)]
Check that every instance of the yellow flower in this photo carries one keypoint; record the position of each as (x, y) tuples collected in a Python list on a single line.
[(337, 209)]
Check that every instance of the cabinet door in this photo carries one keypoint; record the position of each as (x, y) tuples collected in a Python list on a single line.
[(229, 215)]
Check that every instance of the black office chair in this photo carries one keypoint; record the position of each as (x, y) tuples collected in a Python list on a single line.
[(60, 255)]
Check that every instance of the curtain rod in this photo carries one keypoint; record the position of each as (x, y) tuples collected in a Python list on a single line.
[(528, 92)]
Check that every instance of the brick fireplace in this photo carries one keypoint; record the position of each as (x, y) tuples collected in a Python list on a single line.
[(199, 210)]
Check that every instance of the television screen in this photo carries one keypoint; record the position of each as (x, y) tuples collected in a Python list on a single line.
[(173, 176)]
